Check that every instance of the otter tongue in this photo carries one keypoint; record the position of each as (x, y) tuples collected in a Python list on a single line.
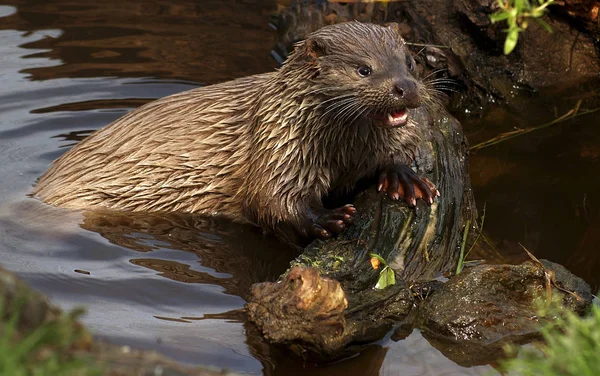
[(398, 118)]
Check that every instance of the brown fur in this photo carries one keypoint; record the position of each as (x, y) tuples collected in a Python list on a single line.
[(263, 148)]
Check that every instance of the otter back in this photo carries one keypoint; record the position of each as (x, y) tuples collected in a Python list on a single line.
[(264, 148)]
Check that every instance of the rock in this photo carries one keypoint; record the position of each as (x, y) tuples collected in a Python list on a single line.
[(476, 312)]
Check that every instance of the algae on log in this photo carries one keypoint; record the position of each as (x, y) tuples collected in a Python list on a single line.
[(327, 301)]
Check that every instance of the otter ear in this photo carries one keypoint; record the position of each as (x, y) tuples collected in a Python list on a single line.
[(314, 48), (395, 27)]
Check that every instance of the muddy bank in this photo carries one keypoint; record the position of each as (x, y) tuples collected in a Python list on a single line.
[(35, 313)]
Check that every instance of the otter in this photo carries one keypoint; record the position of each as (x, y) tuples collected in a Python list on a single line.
[(265, 148)]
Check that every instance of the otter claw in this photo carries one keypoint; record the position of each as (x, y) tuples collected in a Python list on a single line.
[(403, 182), (321, 233), (331, 222), (347, 213)]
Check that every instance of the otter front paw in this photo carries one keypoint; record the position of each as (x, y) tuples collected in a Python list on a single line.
[(403, 182), (326, 223)]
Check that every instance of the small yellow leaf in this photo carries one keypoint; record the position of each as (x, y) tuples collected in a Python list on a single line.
[(375, 263)]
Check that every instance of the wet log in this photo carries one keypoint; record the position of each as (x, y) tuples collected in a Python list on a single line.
[(327, 302), (327, 305)]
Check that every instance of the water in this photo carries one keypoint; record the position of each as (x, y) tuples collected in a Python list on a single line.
[(542, 188), (174, 284)]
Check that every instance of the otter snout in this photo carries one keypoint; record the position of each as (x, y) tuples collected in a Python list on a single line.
[(406, 91)]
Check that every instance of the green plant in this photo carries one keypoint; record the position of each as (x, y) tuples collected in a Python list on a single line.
[(387, 276), (517, 14), (570, 348), (43, 351), (461, 257)]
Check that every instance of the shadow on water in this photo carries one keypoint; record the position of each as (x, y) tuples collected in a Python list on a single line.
[(176, 283), (233, 256)]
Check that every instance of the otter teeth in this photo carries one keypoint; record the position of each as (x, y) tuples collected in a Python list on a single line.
[(397, 118)]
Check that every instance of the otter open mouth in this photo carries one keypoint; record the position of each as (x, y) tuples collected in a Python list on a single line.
[(394, 119)]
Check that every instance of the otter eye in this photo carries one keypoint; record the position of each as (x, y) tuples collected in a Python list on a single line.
[(410, 63), (364, 71)]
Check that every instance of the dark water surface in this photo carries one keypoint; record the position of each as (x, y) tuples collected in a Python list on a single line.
[(174, 283), (542, 189)]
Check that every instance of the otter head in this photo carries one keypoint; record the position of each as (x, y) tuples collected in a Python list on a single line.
[(367, 67)]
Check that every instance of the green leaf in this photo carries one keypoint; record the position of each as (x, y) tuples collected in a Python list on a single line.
[(511, 41), (519, 5), (537, 12), (544, 25), (391, 277), (387, 277), (500, 16)]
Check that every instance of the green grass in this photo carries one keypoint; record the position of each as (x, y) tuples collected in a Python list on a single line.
[(571, 348), (43, 351), (517, 14)]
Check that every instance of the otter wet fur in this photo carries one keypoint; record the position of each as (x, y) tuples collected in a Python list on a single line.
[(265, 148)]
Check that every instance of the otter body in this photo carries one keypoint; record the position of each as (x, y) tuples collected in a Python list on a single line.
[(264, 148)]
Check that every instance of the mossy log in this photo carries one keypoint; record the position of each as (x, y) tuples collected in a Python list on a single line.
[(328, 301)]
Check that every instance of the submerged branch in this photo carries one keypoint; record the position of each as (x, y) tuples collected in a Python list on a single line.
[(572, 113)]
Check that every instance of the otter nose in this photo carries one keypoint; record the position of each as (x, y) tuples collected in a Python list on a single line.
[(406, 91)]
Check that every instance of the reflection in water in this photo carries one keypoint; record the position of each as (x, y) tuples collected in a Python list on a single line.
[(7, 11), (75, 136), (412, 356), (205, 41), (231, 255), (585, 258), (94, 105)]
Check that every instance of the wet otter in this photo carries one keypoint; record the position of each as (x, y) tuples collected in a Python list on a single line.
[(265, 148)]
